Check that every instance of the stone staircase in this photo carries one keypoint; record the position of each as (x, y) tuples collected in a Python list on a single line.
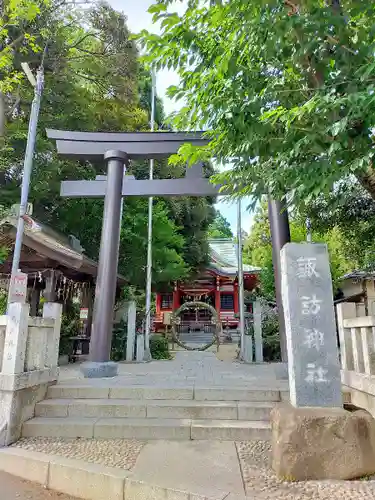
[(105, 410), (196, 339)]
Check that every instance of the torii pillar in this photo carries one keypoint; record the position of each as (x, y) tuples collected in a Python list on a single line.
[(280, 234), (105, 291)]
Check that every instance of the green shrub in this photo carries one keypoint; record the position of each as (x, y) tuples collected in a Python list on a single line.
[(271, 337), (159, 347), (70, 327), (3, 301), (119, 336)]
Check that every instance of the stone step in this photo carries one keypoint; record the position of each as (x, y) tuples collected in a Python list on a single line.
[(147, 428), (127, 408), (139, 392)]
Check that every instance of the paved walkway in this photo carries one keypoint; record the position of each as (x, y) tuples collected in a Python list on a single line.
[(13, 488), (187, 369)]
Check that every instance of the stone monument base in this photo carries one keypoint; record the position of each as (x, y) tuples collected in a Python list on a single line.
[(92, 369), (322, 443)]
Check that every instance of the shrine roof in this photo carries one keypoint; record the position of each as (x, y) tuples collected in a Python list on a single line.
[(223, 255), (44, 247), (359, 275)]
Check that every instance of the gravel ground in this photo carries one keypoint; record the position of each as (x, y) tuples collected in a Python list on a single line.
[(119, 453), (261, 482), (13, 488)]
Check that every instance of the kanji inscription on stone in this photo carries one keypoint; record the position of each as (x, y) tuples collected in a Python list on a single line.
[(313, 361)]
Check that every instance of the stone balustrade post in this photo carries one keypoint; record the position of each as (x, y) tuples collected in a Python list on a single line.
[(15, 338), (131, 326), (140, 347), (53, 310), (257, 314), (345, 310)]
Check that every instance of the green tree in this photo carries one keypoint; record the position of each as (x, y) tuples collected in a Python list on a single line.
[(351, 209), (93, 81), (220, 227), (16, 37), (288, 84), (258, 249)]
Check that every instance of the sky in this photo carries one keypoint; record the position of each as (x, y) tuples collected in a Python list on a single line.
[(138, 19)]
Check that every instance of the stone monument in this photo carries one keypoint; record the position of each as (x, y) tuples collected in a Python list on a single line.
[(314, 367), (313, 437)]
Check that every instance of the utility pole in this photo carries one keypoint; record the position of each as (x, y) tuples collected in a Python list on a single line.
[(28, 161), (241, 295), (149, 235)]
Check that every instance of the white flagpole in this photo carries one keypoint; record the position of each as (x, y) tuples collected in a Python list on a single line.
[(241, 295), (149, 236)]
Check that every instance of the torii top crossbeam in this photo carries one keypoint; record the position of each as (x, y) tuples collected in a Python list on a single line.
[(137, 145)]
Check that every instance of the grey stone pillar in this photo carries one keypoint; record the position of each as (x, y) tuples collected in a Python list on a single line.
[(101, 333), (140, 348), (280, 234), (34, 302), (258, 331), (131, 337)]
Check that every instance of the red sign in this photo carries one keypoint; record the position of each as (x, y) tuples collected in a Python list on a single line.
[(18, 287), (84, 313)]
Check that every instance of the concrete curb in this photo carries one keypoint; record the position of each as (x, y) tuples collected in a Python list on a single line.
[(92, 481)]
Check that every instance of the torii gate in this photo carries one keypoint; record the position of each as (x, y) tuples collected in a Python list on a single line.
[(116, 149)]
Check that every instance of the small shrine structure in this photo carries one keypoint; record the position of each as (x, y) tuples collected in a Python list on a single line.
[(216, 285), (56, 265)]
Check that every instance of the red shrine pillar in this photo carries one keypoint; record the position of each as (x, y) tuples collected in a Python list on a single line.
[(217, 296), (176, 297), (158, 302), (235, 297)]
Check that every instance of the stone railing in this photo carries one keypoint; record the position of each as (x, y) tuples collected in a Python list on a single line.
[(357, 351), (29, 349), (40, 336), (29, 343), (359, 345), (357, 340)]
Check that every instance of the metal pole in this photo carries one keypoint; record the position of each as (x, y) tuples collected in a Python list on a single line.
[(241, 297), (280, 234), (27, 167), (105, 292), (308, 231), (149, 236)]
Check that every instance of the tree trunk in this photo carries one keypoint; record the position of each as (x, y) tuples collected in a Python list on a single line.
[(367, 181)]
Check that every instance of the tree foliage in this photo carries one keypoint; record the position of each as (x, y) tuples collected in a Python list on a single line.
[(94, 81), (352, 210), (220, 227), (289, 85), (258, 248)]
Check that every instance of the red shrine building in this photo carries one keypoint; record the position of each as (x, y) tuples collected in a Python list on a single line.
[(217, 285)]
